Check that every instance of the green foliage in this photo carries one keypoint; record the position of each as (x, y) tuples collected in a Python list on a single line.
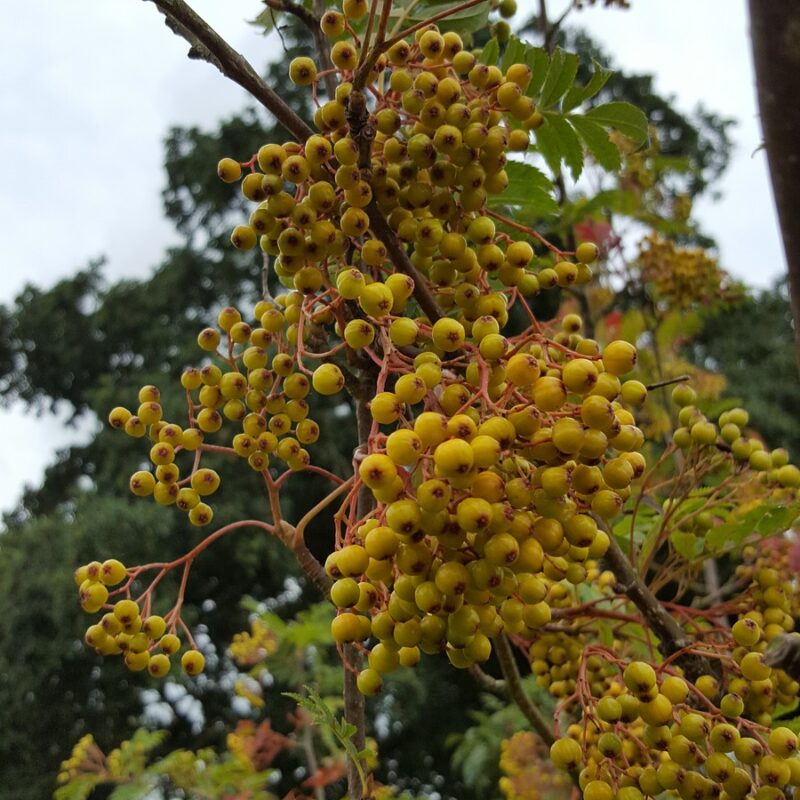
[(563, 137), (766, 519), (476, 751), (133, 772), (322, 713), (529, 193), (464, 21)]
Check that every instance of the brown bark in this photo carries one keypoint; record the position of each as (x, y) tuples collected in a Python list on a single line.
[(775, 35), (672, 637)]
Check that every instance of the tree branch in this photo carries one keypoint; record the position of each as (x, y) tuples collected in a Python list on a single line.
[(487, 682), (206, 44), (668, 382), (775, 36), (516, 691), (673, 639), (399, 257), (363, 133), (311, 20)]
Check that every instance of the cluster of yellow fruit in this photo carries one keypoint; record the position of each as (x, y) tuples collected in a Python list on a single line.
[(778, 558), (444, 126), (503, 451), (261, 390), (123, 631), (556, 659), (164, 482), (657, 733), (683, 276), (772, 598), (726, 435), (480, 517)]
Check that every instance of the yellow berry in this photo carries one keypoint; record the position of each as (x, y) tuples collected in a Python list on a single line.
[(327, 379), (192, 662)]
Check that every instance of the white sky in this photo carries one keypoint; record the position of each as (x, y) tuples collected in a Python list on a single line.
[(88, 89)]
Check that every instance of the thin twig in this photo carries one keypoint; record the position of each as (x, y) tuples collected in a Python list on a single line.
[(516, 691), (369, 57), (673, 638), (435, 18), (206, 44), (398, 256), (668, 382), (487, 682), (311, 20)]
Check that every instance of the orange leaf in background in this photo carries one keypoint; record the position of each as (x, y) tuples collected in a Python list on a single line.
[(596, 231), (612, 322), (326, 775)]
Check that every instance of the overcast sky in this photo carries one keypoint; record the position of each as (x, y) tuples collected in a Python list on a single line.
[(89, 88)]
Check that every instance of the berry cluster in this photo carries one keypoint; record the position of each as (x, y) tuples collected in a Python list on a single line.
[(653, 733), (696, 430), (500, 447), (142, 641)]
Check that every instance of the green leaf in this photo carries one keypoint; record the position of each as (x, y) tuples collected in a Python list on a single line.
[(624, 117), (597, 142), (605, 633), (648, 544), (539, 61), (766, 519), (580, 94), (557, 142), (686, 544), (529, 189), (467, 20), (265, 21), (514, 53), (323, 716), (563, 68), (490, 52)]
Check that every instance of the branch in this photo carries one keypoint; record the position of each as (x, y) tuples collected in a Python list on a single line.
[(783, 652), (399, 257), (206, 44), (773, 32), (668, 382), (516, 691), (311, 20), (368, 58), (306, 560), (487, 682), (363, 132), (673, 639)]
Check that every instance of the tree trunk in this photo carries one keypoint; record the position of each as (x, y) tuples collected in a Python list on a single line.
[(775, 34)]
